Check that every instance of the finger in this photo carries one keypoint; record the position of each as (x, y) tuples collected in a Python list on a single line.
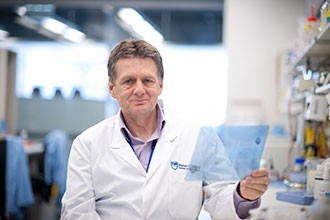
[(257, 180), (252, 192), (259, 172), (260, 187)]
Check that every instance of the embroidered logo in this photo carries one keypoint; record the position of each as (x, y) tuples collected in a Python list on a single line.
[(174, 165), (192, 168)]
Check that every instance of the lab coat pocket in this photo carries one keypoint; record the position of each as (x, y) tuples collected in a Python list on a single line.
[(185, 198)]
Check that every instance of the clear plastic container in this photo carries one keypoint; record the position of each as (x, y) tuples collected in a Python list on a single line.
[(311, 167), (318, 178), (297, 177), (311, 28)]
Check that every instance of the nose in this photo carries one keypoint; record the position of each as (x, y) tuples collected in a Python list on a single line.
[(139, 88)]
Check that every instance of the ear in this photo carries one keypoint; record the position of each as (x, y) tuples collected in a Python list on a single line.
[(161, 87), (111, 88)]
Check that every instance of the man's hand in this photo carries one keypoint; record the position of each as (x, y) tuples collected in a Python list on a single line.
[(254, 185)]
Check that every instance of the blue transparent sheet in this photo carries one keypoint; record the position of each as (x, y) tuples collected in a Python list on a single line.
[(244, 145), (227, 152), (210, 161)]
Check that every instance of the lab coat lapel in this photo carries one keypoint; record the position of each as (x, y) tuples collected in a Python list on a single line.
[(120, 147), (164, 147)]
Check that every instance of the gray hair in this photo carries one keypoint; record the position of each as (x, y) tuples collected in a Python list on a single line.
[(134, 49)]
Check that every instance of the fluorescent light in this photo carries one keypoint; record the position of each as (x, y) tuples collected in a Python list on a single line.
[(130, 16), (54, 25), (62, 29), (137, 25), (28, 22), (74, 35)]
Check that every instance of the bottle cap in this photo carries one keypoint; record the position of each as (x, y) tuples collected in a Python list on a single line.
[(312, 18), (300, 160)]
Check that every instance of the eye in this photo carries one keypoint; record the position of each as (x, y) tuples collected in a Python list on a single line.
[(148, 81), (128, 82)]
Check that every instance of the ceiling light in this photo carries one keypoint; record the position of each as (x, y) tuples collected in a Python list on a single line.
[(74, 35), (138, 26), (129, 16), (53, 25)]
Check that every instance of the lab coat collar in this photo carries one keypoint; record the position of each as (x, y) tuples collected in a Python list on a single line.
[(120, 146), (164, 146)]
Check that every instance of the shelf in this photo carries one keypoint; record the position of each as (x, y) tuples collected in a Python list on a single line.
[(319, 47), (323, 89), (324, 34)]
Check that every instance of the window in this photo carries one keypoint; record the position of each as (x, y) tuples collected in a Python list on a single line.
[(64, 67)]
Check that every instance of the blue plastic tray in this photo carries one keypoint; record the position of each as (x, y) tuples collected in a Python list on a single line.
[(297, 197)]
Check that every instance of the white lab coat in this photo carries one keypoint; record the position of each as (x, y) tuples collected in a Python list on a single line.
[(106, 180)]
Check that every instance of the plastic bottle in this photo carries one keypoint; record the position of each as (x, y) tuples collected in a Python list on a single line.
[(311, 27), (299, 164), (318, 178), (325, 184), (311, 165), (298, 177)]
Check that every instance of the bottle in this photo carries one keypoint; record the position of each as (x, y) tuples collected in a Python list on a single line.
[(318, 178), (311, 166), (298, 177), (325, 184), (299, 164), (311, 27)]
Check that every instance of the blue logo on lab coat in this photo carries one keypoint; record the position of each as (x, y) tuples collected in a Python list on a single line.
[(174, 165)]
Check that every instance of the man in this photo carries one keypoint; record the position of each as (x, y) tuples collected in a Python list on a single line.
[(136, 165)]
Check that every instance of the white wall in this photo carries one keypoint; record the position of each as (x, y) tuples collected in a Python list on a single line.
[(256, 33)]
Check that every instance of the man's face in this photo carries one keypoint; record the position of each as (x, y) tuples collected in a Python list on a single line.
[(137, 86)]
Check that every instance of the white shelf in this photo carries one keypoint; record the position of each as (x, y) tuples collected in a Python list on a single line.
[(318, 47), (324, 34)]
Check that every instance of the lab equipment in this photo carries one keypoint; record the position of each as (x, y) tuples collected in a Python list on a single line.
[(297, 177), (311, 167), (297, 197), (322, 179), (324, 185), (316, 108), (318, 177)]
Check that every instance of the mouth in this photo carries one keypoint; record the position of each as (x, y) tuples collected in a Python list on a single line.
[(139, 102)]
